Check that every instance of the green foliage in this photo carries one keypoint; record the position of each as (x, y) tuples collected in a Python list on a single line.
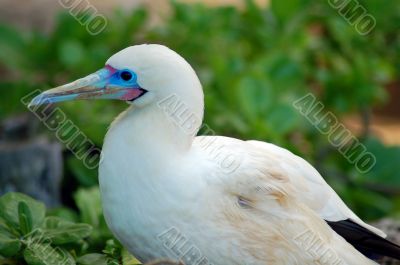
[(21, 213), (27, 236), (253, 63)]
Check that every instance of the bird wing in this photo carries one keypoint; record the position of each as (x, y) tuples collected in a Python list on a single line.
[(311, 188), (268, 161), (278, 210)]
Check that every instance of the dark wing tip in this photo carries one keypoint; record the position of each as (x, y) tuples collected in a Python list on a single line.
[(365, 241)]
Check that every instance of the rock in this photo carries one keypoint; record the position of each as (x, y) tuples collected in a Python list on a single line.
[(29, 165), (392, 228)]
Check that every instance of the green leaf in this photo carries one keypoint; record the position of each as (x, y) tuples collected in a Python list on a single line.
[(25, 218), (9, 205), (5, 229), (89, 204), (45, 254), (93, 258), (60, 231), (9, 246), (113, 248), (64, 213)]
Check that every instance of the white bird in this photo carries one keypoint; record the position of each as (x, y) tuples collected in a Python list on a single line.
[(208, 199)]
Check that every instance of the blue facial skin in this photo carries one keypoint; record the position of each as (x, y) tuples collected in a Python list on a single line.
[(124, 78), (120, 78)]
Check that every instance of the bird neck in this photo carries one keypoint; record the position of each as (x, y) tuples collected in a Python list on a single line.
[(154, 131)]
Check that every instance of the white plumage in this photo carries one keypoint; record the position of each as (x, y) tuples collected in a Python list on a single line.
[(155, 176)]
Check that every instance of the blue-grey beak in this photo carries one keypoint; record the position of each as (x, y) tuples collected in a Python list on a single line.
[(103, 84)]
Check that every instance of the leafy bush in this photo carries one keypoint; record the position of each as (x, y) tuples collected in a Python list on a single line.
[(28, 236), (253, 62)]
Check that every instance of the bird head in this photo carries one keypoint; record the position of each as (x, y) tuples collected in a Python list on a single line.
[(141, 75)]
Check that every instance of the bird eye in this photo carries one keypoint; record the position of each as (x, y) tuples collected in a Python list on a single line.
[(126, 75)]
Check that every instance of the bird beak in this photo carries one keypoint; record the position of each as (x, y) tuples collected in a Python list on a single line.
[(103, 84)]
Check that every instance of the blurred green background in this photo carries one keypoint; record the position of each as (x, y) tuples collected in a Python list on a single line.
[(253, 61)]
